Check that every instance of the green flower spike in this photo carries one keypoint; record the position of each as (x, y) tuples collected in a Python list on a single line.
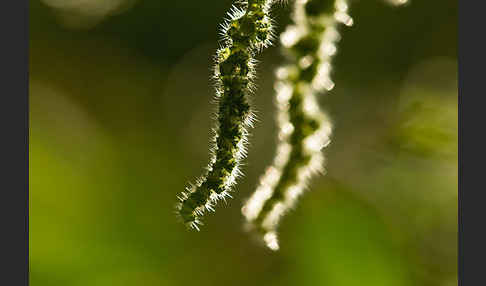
[(309, 44), (247, 31)]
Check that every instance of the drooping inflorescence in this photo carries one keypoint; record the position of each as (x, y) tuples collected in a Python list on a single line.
[(247, 31), (309, 44)]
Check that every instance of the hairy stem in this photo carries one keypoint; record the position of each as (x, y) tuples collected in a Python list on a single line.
[(309, 44), (247, 31)]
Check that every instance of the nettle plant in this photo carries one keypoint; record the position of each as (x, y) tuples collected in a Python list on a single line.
[(309, 44)]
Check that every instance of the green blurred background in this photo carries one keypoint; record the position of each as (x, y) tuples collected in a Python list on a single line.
[(120, 122)]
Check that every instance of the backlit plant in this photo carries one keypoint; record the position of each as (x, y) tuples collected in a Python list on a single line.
[(247, 31), (309, 44)]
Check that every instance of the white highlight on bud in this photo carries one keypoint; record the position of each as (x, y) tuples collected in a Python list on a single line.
[(271, 240), (286, 130), (311, 107), (282, 73), (283, 152), (306, 61), (319, 140), (284, 91), (328, 49), (344, 18), (254, 204), (341, 6), (272, 219), (290, 36)]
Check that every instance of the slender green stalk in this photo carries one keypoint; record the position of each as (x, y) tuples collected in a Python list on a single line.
[(247, 31), (309, 44)]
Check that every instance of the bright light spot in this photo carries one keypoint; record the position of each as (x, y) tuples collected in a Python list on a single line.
[(397, 2), (282, 73), (272, 175), (293, 192), (313, 144), (306, 61), (310, 106), (283, 152), (322, 79), (343, 18), (320, 83), (290, 36), (271, 220), (331, 35), (286, 130), (254, 205), (328, 49), (284, 91), (316, 163), (271, 240), (341, 6)]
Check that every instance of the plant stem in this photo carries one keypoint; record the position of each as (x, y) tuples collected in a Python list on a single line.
[(245, 33), (309, 44)]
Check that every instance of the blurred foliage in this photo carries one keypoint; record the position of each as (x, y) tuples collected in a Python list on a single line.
[(120, 119)]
